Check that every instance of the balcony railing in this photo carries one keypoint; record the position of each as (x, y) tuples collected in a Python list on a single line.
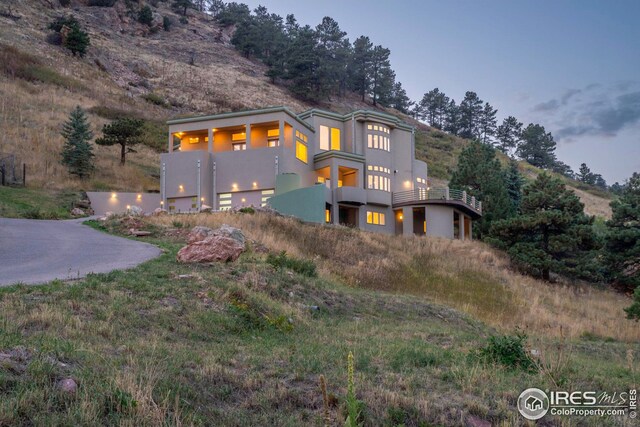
[(422, 194)]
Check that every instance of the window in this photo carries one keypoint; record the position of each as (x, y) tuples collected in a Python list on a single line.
[(378, 169), (375, 218), (194, 140), (273, 138), (242, 136), (239, 146), (376, 182), (421, 180), (266, 195), (377, 137), (301, 136), (273, 133), (301, 151), (327, 215), (224, 201), (273, 142), (329, 138)]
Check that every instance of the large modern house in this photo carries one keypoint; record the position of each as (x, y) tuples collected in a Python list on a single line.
[(357, 169)]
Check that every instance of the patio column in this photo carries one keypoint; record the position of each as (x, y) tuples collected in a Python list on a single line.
[(463, 225), (210, 147), (335, 209), (407, 221), (247, 131)]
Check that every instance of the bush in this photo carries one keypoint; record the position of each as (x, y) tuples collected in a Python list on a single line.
[(247, 210), (65, 3), (300, 266), (155, 99), (166, 23), (77, 40), (508, 350), (102, 3), (145, 16)]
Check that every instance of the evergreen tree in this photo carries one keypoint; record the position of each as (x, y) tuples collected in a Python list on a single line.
[(380, 73), (487, 123), (360, 66), (514, 185), (216, 7), (509, 134), (231, 14), (123, 132), (333, 54), (599, 181), (563, 169), (537, 147), (552, 233), (470, 115), (145, 16), (622, 241), (433, 108), (584, 174), (76, 39), (77, 152), (480, 175), (399, 99), (302, 64), (452, 118), (181, 6)]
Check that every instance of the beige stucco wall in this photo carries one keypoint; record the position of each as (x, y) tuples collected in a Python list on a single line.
[(117, 202)]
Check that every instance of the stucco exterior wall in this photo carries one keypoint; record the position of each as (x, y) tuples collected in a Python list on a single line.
[(308, 203), (103, 202), (439, 221)]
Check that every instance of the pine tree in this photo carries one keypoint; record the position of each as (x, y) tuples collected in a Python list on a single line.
[(487, 123), (584, 174), (360, 66), (452, 118), (77, 152), (552, 233), (380, 73), (123, 132), (537, 147), (509, 134), (622, 241), (479, 173), (399, 99), (333, 53), (145, 15), (514, 185), (302, 64), (470, 115), (181, 6)]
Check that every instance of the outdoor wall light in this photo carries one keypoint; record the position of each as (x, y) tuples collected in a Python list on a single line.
[(234, 186), (181, 187), (202, 199), (114, 195), (139, 196), (128, 207), (400, 217), (161, 202), (255, 184), (244, 200)]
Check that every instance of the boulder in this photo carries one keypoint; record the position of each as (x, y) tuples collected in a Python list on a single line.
[(77, 212), (139, 233), (199, 233), (159, 211), (108, 214), (206, 246), (136, 210), (83, 204), (205, 209), (157, 21), (68, 385)]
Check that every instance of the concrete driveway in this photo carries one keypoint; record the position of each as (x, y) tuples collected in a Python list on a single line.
[(35, 251)]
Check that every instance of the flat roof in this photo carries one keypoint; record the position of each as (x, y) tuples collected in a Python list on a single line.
[(242, 113), (358, 114)]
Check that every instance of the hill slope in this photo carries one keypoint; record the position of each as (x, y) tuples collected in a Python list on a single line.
[(191, 69)]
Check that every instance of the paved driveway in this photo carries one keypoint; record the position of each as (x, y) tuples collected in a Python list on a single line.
[(35, 251)]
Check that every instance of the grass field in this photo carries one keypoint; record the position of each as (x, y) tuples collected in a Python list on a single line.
[(20, 202), (242, 343)]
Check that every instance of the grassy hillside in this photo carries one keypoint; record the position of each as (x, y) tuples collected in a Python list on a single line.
[(243, 343), (37, 203)]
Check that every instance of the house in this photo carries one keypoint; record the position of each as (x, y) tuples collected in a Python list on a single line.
[(357, 169)]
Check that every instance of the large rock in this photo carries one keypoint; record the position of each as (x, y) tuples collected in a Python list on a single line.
[(68, 385), (136, 210), (206, 245), (159, 212), (77, 212)]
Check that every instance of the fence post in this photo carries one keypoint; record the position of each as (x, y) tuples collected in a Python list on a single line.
[(24, 174), (2, 172)]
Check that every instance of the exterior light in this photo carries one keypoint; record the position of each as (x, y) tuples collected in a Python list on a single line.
[(128, 207), (400, 217), (181, 187), (428, 188), (114, 195), (255, 184), (244, 200), (202, 199), (139, 196), (161, 202), (407, 184), (234, 186)]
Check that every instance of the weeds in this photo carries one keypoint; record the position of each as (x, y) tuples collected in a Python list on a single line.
[(300, 266), (508, 350), (353, 405)]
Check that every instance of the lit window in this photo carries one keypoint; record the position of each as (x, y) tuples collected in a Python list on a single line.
[(239, 147), (273, 133), (369, 127), (324, 138), (375, 218), (274, 143), (327, 215), (301, 136), (339, 183), (375, 141), (267, 192), (335, 139), (375, 128), (194, 140), (321, 179), (224, 195), (301, 151), (238, 136), (370, 141)]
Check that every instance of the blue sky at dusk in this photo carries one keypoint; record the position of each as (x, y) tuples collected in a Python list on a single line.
[(572, 66)]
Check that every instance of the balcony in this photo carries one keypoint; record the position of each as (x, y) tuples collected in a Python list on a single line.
[(354, 195), (438, 196)]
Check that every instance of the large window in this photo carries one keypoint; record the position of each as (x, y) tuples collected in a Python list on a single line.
[(301, 152), (377, 179), (273, 137), (378, 137), (375, 218), (266, 195), (224, 201), (329, 138), (239, 146)]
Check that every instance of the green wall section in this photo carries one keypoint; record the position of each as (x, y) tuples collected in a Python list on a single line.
[(286, 182), (307, 203)]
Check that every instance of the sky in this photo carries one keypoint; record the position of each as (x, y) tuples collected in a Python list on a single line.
[(571, 66)]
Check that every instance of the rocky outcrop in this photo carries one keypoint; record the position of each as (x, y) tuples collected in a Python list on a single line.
[(77, 212), (207, 245)]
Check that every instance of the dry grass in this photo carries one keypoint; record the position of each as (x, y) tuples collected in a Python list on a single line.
[(469, 276)]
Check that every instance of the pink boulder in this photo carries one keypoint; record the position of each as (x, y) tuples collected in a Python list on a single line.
[(207, 246)]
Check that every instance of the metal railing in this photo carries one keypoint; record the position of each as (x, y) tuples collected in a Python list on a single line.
[(421, 194)]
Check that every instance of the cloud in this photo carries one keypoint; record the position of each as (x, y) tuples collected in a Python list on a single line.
[(550, 105), (593, 111)]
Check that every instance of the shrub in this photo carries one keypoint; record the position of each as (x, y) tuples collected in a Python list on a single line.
[(166, 23), (508, 350), (145, 16), (155, 99), (77, 40), (102, 3), (247, 210), (300, 266), (65, 3)]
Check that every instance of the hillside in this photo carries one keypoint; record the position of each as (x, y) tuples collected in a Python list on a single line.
[(154, 75), (244, 343)]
